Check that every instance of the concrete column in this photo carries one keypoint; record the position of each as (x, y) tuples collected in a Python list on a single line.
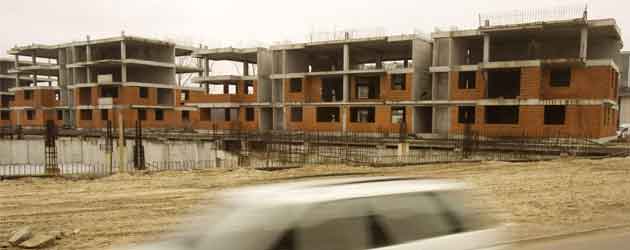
[(88, 57), (434, 56), (344, 119), (584, 43), (379, 62), (206, 67), (346, 77), (34, 58), (245, 69), (123, 57), (486, 48)]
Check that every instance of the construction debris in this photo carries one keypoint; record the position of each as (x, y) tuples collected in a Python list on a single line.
[(20, 236), (40, 240)]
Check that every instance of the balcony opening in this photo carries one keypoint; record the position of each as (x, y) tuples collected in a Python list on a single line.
[(85, 115), (332, 89), (5, 100), (399, 81), (249, 87), (560, 77), (295, 85), (327, 114), (28, 94), (216, 89), (296, 114), (367, 87), (249, 114), (504, 83), (424, 120), (231, 88), (185, 115), (227, 115), (142, 115), (398, 115), (555, 114), (165, 97), (104, 115), (205, 114), (466, 115), (502, 114), (30, 115), (362, 114), (467, 80), (109, 91), (144, 92), (184, 95), (159, 115), (5, 115)]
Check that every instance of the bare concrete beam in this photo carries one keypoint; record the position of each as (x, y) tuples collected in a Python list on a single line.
[(245, 69), (123, 57), (346, 77)]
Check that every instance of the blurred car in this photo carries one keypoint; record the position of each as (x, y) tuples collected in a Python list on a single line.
[(357, 213)]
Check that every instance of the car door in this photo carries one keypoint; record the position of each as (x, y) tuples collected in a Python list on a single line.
[(336, 225)]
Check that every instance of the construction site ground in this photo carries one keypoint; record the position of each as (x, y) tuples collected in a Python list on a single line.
[(534, 199)]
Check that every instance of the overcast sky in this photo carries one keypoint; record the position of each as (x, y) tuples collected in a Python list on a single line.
[(221, 23)]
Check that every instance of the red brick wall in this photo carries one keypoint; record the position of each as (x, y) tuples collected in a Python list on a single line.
[(586, 83), (467, 94), (580, 121)]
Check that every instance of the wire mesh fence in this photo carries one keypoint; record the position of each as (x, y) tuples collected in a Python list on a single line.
[(240, 148)]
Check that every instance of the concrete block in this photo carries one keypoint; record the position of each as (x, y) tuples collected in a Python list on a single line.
[(38, 241), (20, 236)]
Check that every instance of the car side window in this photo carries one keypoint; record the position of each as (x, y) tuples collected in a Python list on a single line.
[(339, 225), (410, 217)]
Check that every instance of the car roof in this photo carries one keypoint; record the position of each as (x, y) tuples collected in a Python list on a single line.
[(317, 191)]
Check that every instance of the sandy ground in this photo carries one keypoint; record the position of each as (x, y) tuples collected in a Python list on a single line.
[(536, 199)]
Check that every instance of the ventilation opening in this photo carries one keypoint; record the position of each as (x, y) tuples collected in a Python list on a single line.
[(362, 114), (502, 114), (504, 83), (327, 114)]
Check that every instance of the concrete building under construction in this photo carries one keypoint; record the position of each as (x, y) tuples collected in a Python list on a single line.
[(537, 79)]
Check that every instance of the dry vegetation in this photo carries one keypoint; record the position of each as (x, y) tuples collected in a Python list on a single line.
[(537, 199)]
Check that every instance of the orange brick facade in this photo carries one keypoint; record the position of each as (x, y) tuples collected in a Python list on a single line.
[(587, 83)]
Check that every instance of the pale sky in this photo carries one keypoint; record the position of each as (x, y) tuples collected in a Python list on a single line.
[(241, 23)]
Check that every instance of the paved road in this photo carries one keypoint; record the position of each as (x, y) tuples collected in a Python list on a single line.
[(599, 241)]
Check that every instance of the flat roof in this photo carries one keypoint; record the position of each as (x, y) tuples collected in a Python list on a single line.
[(50, 51), (336, 43), (249, 55), (597, 27)]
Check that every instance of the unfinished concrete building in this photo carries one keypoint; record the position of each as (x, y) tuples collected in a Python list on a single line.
[(543, 79), (376, 84), (623, 61), (97, 80), (239, 101)]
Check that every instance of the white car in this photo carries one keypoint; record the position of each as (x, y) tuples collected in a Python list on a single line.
[(344, 214), (624, 131)]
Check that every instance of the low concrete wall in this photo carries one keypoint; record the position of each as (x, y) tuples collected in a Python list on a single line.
[(92, 150)]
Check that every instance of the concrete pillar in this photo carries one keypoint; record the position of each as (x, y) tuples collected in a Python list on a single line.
[(346, 77), (486, 48), (406, 63), (245, 69), (584, 42), (206, 67), (123, 57), (344, 119), (88, 57), (403, 149), (379, 62), (34, 57)]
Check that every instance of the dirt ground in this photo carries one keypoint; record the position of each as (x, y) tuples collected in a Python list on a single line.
[(535, 199)]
